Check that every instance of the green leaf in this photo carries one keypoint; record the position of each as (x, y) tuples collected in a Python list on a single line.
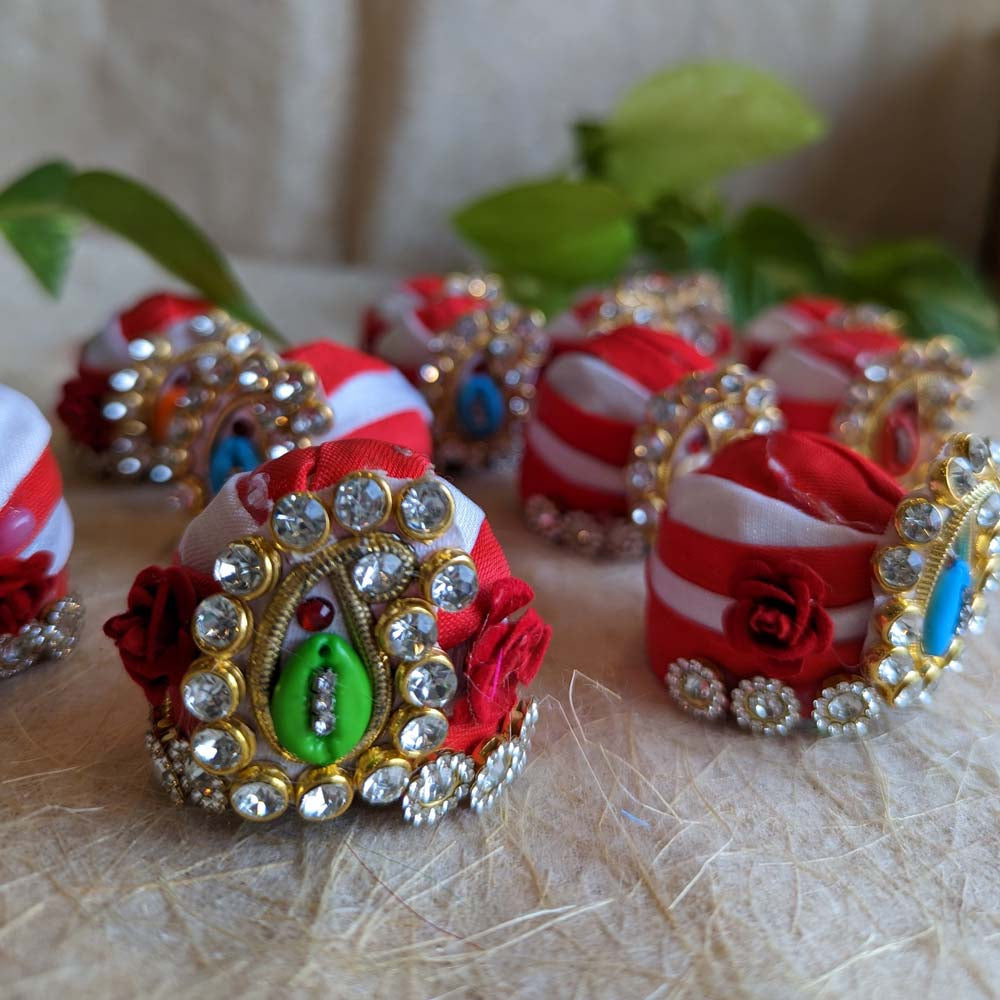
[(560, 232), (591, 146), (676, 226), (42, 238), (694, 123), (138, 214), (936, 290), (767, 256)]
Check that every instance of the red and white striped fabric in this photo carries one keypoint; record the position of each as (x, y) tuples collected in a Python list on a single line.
[(813, 372), (785, 323), (34, 517), (398, 327), (590, 399), (369, 398), (762, 563)]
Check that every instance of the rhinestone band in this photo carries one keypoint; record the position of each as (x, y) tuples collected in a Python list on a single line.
[(51, 636)]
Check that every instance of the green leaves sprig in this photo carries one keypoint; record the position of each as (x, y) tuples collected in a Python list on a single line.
[(643, 189), (42, 212)]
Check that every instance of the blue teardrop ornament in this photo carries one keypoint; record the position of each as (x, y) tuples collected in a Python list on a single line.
[(480, 406)]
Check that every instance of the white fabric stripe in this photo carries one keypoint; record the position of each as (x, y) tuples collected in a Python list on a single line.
[(24, 433), (56, 537), (107, 350), (596, 387), (778, 326), (725, 510), (574, 465), (372, 396), (226, 519), (706, 608), (800, 374)]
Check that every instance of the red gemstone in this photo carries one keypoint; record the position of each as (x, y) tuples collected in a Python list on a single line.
[(315, 614)]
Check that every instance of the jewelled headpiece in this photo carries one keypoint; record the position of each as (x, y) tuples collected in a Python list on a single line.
[(348, 651)]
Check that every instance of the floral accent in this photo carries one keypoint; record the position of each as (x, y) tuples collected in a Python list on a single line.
[(503, 655), (80, 410), (154, 636), (778, 611), (24, 588)]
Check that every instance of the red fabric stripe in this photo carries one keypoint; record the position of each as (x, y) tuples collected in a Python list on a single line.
[(606, 439), (670, 635), (322, 466), (538, 478), (407, 430), (156, 312), (39, 491), (816, 307), (817, 475), (844, 348), (710, 562), (808, 415), (333, 363), (652, 358)]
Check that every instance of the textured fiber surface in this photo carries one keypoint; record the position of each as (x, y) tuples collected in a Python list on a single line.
[(359, 125), (641, 855)]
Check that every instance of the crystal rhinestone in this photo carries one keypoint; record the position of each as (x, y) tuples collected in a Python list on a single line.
[(423, 734), (518, 406), (425, 507), (846, 709), (141, 349), (978, 452), (360, 503), (258, 800), (894, 667), (124, 380), (376, 574), (431, 684), (920, 521), (989, 511), (323, 725), (876, 372), (207, 696), (492, 778), (663, 410), (909, 694), (731, 382), (115, 410), (649, 446), (900, 567), (697, 688), (765, 706), (906, 629), (846, 706), (437, 788), (240, 569), (961, 477), (324, 801), (643, 515), (385, 784), (299, 520), (758, 397), (315, 614), (454, 586), (216, 749), (410, 634), (202, 326), (217, 622), (642, 476)]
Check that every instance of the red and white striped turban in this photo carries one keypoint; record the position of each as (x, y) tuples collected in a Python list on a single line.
[(813, 372), (762, 565), (401, 325), (329, 587), (781, 324), (689, 306), (368, 397), (36, 528), (590, 398)]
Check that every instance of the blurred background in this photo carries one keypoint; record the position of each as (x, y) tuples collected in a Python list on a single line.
[(347, 130)]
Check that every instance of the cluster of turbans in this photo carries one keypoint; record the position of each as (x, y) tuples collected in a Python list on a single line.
[(339, 623)]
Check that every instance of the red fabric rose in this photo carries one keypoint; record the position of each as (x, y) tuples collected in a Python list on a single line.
[(778, 611), (502, 656), (154, 636), (80, 410), (24, 588)]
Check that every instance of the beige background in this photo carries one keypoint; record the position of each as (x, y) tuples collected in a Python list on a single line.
[(348, 129), (640, 855)]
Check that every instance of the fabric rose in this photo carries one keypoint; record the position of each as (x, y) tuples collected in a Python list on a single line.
[(24, 588), (778, 611), (80, 410), (502, 656), (154, 635)]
